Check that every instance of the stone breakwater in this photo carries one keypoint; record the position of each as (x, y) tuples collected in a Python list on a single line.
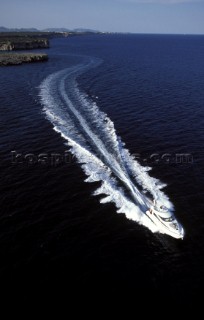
[(8, 59)]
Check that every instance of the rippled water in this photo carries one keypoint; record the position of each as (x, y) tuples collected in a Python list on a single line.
[(54, 233)]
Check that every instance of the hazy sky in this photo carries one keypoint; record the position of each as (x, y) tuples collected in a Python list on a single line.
[(142, 16)]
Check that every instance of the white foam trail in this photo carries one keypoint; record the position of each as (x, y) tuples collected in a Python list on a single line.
[(93, 140)]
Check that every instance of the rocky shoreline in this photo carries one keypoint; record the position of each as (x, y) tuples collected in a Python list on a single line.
[(9, 59), (10, 44)]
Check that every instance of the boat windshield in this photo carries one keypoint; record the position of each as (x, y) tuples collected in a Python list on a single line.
[(169, 219), (163, 208)]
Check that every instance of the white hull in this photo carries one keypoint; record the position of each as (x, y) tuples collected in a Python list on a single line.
[(166, 227)]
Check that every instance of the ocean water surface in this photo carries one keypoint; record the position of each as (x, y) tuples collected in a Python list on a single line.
[(71, 129)]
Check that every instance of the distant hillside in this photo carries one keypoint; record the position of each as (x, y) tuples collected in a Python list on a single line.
[(77, 30), (85, 30), (56, 30), (4, 29)]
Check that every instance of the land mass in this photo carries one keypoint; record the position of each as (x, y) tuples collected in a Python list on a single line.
[(22, 43), (15, 41), (77, 30), (9, 59), (29, 40)]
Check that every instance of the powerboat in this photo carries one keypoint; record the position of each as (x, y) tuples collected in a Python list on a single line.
[(165, 220)]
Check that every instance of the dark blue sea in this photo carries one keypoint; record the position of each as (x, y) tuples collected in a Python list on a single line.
[(69, 128)]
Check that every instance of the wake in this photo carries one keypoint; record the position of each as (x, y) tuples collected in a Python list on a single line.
[(92, 138)]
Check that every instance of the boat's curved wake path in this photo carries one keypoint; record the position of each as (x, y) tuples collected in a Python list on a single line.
[(94, 142)]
